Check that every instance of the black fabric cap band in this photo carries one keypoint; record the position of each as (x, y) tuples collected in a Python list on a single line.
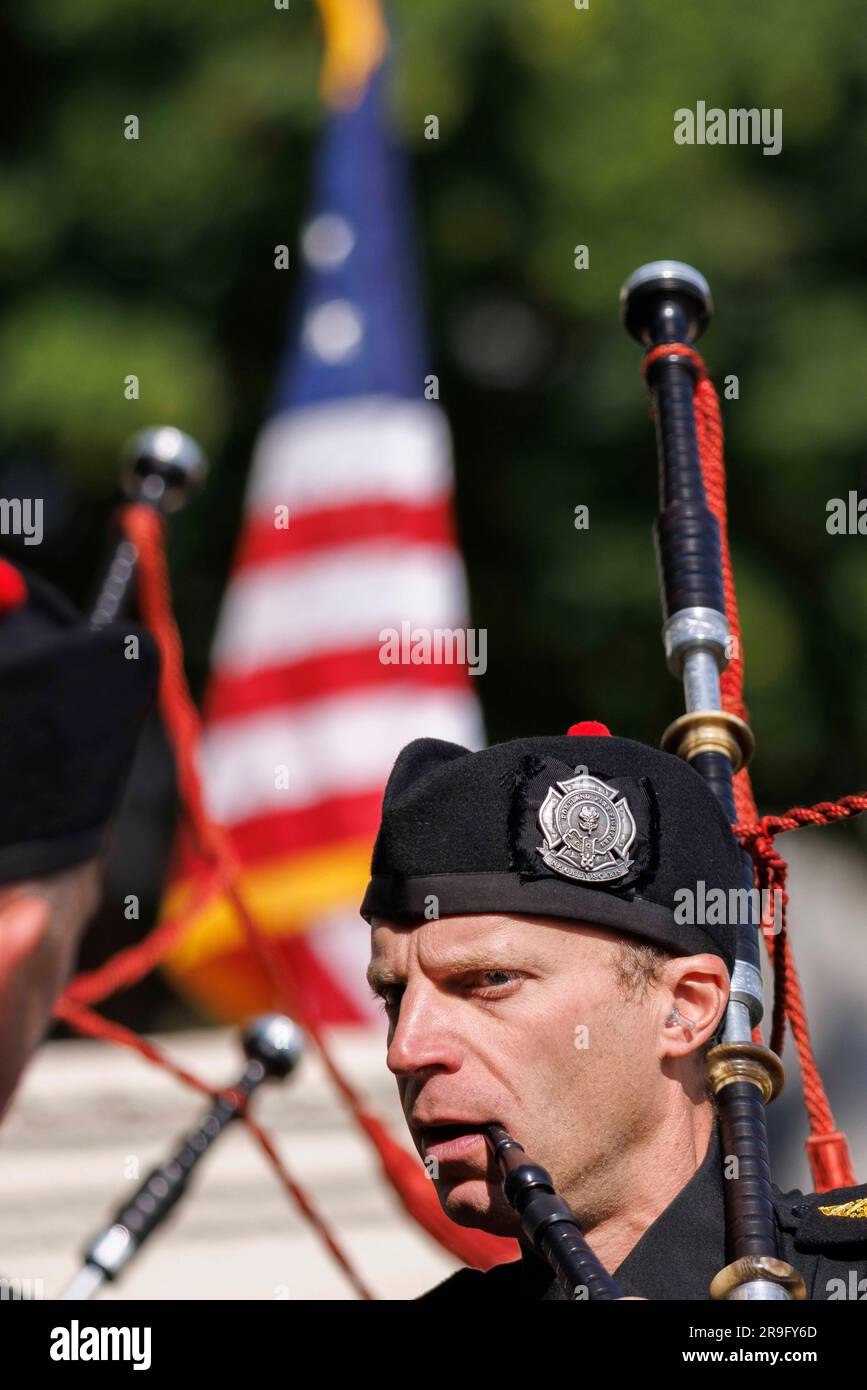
[(413, 900), (29, 859), (72, 702)]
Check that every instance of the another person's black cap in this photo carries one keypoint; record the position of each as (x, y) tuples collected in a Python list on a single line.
[(580, 826), (72, 702)]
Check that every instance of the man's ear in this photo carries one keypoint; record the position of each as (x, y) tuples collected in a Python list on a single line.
[(23, 923), (693, 1002)]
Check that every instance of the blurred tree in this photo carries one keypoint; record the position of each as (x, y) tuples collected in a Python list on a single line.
[(154, 257)]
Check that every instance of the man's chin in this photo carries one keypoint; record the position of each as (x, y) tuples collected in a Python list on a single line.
[(474, 1202)]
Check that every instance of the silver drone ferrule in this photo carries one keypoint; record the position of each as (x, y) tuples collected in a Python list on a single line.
[(745, 997), (696, 650), (696, 642)]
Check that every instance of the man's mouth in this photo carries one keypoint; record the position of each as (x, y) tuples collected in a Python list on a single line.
[(452, 1141)]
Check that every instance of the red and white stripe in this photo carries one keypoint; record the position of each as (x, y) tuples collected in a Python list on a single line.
[(303, 721)]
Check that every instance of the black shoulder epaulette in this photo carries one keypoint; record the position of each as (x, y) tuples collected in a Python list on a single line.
[(820, 1219)]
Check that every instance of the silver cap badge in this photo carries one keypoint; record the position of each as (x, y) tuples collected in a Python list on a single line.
[(588, 828)]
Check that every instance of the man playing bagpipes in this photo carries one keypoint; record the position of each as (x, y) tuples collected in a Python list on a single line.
[(539, 977)]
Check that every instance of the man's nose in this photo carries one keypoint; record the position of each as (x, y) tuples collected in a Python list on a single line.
[(424, 1038)]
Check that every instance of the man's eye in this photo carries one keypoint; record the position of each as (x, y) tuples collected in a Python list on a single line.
[(492, 981), (388, 998)]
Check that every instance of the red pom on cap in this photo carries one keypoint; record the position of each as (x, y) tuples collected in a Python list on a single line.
[(591, 728), (13, 590)]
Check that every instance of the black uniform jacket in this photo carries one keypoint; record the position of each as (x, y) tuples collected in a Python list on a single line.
[(679, 1254)]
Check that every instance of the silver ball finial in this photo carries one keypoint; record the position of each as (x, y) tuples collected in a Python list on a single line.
[(274, 1041), (650, 283), (163, 467)]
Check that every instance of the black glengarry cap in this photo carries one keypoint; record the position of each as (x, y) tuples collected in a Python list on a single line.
[(72, 702), (580, 826)]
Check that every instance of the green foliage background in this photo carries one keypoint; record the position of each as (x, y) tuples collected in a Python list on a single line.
[(556, 128)]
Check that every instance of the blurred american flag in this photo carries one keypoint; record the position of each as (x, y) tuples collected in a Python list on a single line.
[(347, 532)]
